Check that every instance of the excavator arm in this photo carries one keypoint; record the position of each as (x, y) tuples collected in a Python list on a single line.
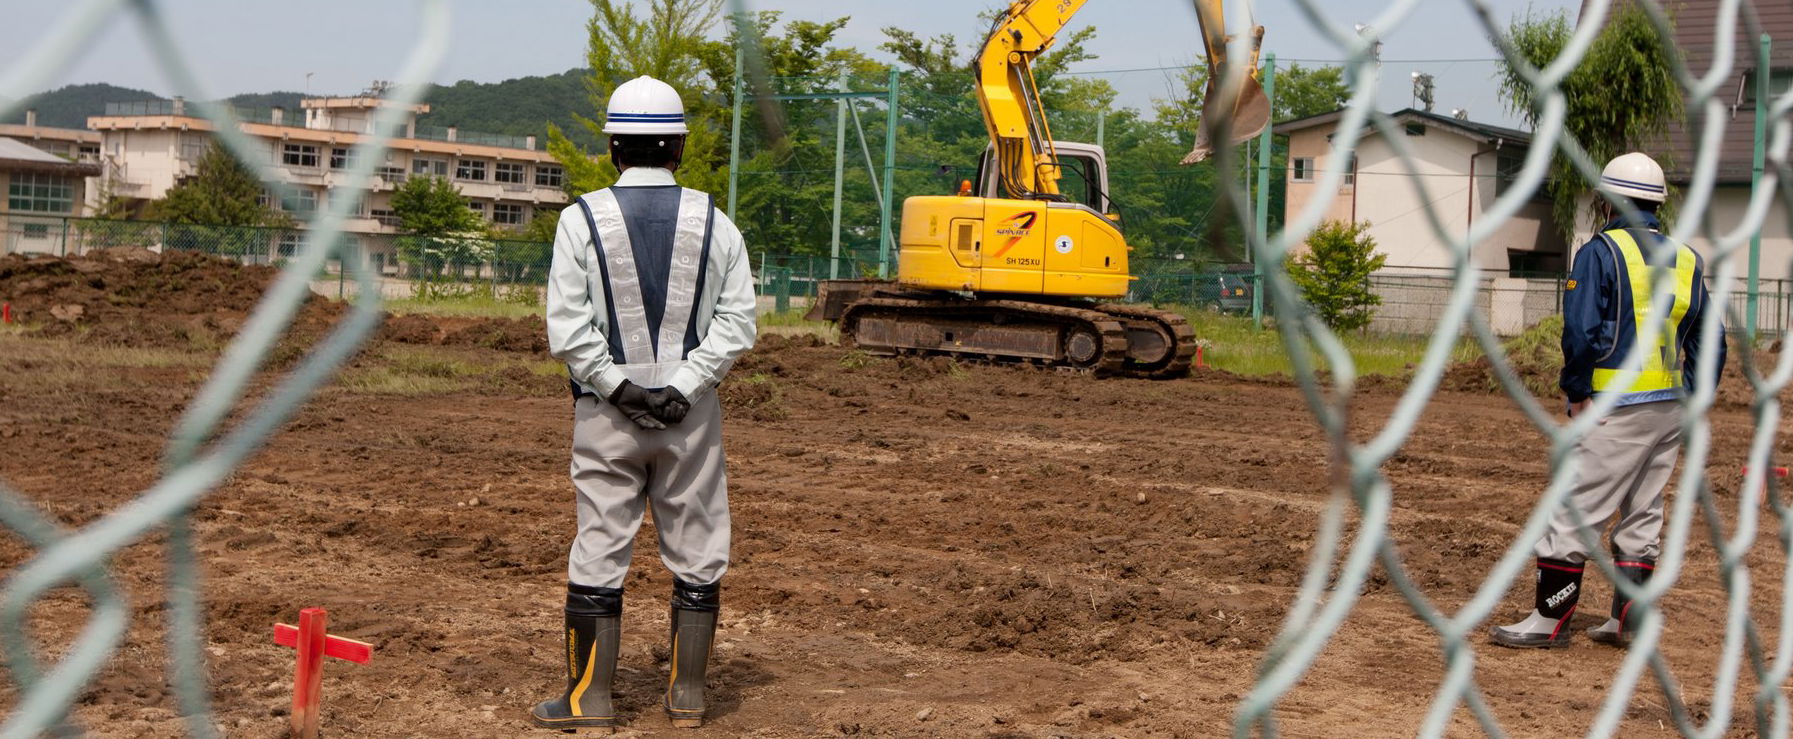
[(1026, 163)]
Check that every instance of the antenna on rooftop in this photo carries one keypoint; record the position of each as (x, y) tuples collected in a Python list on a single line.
[(377, 89), (1422, 89), (1461, 114)]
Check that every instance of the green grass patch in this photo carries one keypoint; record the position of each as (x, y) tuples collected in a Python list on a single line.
[(1234, 344), (792, 323), (476, 306), (413, 370)]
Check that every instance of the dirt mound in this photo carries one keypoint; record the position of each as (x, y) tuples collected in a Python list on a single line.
[(528, 334), (136, 297)]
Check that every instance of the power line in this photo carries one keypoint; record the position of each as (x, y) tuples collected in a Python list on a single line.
[(1085, 73)]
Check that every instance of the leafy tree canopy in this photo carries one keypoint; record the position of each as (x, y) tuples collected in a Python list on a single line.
[(431, 206), (1619, 98), (222, 192), (1334, 274)]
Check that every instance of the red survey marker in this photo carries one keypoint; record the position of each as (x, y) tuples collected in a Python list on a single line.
[(314, 645)]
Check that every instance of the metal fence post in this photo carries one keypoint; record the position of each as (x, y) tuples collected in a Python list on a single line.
[(734, 136), (890, 131), (1763, 72), (840, 172), (1265, 141)]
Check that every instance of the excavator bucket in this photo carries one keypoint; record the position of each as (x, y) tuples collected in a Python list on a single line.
[(1238, 117)]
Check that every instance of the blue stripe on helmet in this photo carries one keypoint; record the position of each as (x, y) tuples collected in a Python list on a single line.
[(648, 117), (1629, 183)]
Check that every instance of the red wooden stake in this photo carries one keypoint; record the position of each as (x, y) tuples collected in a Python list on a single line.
[(314, 644), (6, 313)]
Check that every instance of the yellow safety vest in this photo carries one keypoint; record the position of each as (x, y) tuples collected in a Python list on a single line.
[(1661, 369)]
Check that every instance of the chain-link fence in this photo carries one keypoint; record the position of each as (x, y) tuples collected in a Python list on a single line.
[(1170, 212)]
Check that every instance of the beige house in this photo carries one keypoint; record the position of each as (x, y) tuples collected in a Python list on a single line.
[(146, 147), (1464, 167), (47, 174)]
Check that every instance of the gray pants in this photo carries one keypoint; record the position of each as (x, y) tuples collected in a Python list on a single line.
[(1624, 465), (620, 468)]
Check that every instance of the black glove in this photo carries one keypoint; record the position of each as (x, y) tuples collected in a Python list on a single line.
[(668, 404), (636, 402)]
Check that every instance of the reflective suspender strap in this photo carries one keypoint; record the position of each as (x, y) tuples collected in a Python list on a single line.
[(682, 280), (1661, 368), (612, 236), (603, 283)]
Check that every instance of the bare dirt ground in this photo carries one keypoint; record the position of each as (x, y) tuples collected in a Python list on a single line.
[(921, 548)]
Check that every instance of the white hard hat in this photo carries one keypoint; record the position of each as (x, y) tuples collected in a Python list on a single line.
[(645, 105), (1636, 176)]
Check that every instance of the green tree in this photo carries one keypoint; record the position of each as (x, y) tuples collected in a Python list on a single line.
[(441, 232), (431, 206), (669, 44), (1334, 274), (221, 192), (219, 209), (1620, 97)]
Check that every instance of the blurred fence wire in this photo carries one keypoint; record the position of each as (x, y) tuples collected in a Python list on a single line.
[(202, 451), (1340, 568)]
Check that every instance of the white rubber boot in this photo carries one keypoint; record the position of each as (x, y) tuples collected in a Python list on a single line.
[(1537, 631)]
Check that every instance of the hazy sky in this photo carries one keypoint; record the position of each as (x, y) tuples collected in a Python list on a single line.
[(261, 46)]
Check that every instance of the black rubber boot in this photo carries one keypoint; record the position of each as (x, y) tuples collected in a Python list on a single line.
[(594, 632), (694, 610), (1619, 629), (1559, 587)]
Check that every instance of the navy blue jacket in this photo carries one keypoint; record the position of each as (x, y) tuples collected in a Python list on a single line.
[(1598, 317)]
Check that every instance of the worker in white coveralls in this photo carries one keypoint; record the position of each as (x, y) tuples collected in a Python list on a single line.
[(1626, 460), (650, 300)]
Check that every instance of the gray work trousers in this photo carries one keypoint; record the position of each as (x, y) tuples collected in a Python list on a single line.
[(620, 468), (1624, 465)]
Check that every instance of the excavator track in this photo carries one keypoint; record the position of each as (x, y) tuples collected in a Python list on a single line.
[(1107, 340), (1080, 339), (1160, 343)]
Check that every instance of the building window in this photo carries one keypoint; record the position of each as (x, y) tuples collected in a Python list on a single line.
[(508, 172), (1301, 169), (193, 146), (429, 167), (342, 158), (477, 207), (548, 175), (470, 169), (289, 244), (1506, 167), (40, 193), (300, 201), (90, 152), (507, 214), (1350, 179), (1778, 80), (390, 174), (1416, 129), (37, 231), (299, 155)]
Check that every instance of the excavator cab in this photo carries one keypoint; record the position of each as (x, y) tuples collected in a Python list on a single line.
[(1083, 176)]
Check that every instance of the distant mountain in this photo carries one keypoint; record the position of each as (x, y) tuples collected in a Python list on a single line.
[(69, 107), (523, 106)]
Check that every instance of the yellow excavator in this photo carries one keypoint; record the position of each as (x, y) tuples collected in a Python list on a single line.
[(1019, 266)]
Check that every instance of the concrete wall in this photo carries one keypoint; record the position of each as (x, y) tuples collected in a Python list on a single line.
[(1414, 303)]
